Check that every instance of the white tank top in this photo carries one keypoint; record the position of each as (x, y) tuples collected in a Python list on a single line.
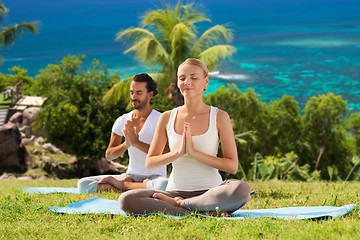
[(189, 174)]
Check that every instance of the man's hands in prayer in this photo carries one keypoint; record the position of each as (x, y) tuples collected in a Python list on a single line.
[(130, 133)]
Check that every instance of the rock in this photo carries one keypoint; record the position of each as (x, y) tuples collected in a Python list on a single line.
[(16, 118), (51, 148), (4, 176), (27, 131), (35, 166), (48, 164), (39, 141), (46, 159), (12, 152), (62, 166), (72, 160), (10, 138), (22, 135), (43, 177), (29, 115), (119, 167), (105, 166), (36, 152), (26, 141)]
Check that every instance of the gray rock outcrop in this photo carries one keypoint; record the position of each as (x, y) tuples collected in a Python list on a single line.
[(29, 114), (12, 152)]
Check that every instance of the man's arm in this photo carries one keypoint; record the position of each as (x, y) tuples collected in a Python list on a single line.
[(116, 148), (142, 146), (132, 137)]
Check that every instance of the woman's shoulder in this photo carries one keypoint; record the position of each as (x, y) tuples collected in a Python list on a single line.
[(222, 116), (165, 116), (166, 113)]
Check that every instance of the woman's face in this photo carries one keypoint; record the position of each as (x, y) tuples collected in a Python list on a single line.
[(191, 80)]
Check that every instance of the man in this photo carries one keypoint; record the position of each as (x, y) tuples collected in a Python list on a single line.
[(138, 127)]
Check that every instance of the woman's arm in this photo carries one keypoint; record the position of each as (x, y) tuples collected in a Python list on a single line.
[(156, 158), (229, 161)]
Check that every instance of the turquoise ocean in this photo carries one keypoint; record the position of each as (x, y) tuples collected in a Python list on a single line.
[(301, 48)]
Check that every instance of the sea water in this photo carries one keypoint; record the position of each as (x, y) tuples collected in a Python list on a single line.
[(301, 48)]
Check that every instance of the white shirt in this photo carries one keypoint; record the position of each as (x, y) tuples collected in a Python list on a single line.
[(146, 134), (189, 174)]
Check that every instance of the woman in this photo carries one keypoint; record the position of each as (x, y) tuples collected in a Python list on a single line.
[(193, 132)]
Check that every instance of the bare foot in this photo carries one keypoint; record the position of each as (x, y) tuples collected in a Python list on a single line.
[(118, 184), (173, 201), (107, 179)]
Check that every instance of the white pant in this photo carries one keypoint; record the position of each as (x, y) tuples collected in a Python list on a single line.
[(89, 184)]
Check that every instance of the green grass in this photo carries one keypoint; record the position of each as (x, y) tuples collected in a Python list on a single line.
[(25, 216), (56, 157), (4, 103)]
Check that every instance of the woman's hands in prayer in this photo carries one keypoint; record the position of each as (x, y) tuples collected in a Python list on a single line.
[(187, 145)]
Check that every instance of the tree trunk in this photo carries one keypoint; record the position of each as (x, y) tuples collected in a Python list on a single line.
[(174, 94), (322, 149)]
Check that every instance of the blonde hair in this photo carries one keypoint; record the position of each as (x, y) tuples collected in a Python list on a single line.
[(196, 62)]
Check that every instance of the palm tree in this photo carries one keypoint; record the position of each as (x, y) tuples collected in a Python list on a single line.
[(167, 37), (9, 34)]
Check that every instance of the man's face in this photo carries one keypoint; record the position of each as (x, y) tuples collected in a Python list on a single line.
[(139, 94)]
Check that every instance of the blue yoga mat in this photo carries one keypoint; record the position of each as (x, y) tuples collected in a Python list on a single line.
[(99, 205), (46, 190)]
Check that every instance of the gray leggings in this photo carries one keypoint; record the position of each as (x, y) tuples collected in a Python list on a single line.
[(229, 196)]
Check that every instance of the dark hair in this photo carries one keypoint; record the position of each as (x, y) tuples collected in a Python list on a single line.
[(150, 83)]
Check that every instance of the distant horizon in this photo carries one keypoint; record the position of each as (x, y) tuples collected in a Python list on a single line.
[(299, 48)]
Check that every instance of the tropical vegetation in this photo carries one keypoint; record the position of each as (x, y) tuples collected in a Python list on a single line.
[(275, 140), (322, 138)]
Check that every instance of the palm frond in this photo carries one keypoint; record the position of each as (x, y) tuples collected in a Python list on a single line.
[(164, 20), (159, 20), (9, 34), (151, 52), (192, 14), (214, 55), (3, 9), (245, 137), (162, 80), (132, 35), (216, 35), (181, 39), (119, 92)]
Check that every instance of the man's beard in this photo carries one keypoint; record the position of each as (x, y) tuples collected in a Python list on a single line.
[(140, 104)]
